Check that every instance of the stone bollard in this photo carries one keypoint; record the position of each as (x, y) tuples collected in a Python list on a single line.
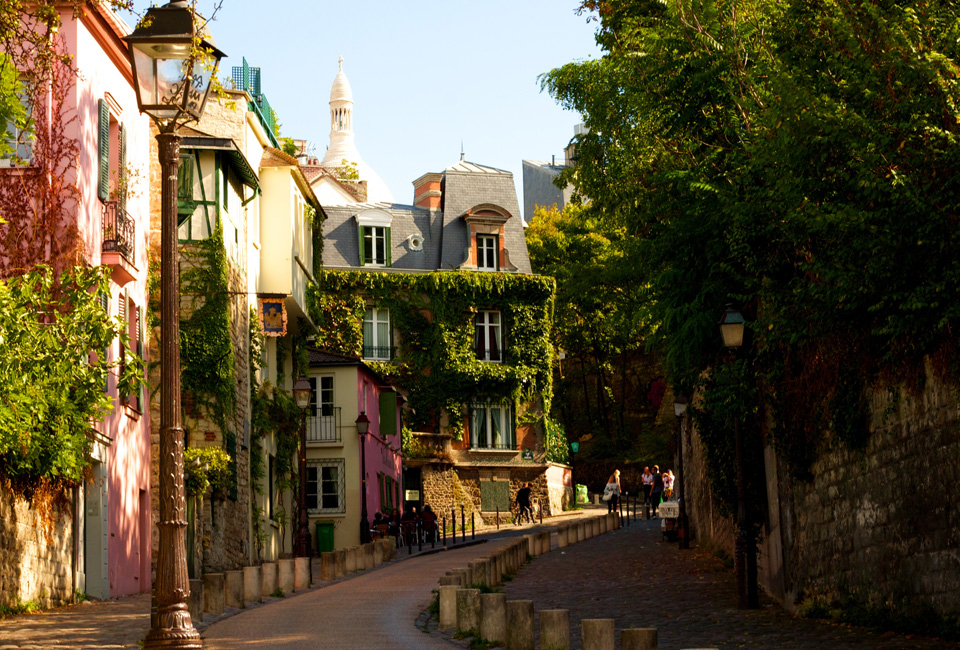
[(448, 607), (450, 581), (603, 524), (493, 578), (285, 575), (340, 563), (377, 553), (519, 625), (268, 574), (554, 629), (544, 542), (301, 573), (478, 573), (493, 617), (328, 566), (531, 545), (234, 589), (595, 524), (350, 559), (464, 577), (580, 532), (468, 611), (195, 602), (252, 584), (214, 593), (562, 533), (368, 556), (597, 633), (640, 638)]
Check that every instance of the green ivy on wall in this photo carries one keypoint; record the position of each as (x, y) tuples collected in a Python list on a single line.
[(433, 313)]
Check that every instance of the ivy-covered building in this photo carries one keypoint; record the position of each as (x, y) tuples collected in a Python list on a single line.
[(438, 297)]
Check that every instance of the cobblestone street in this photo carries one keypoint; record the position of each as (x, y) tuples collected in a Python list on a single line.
[(632, 576)]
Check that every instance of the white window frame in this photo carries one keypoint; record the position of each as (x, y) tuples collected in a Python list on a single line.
[(491, 426), (488, 252), (316, 482), (487, 324), (373, 347), (21, 140), (376, 234)]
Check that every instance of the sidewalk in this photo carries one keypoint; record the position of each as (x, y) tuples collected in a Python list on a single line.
[(124, 622)]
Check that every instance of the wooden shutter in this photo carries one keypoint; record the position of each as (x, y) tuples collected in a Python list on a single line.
[(122, 173), (360, 239), (388, 413), (103, 182)]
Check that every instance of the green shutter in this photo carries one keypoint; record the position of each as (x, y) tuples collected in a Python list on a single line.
[(388, 413), (363, 257), (103, 182), (122, 186), (386, 245)]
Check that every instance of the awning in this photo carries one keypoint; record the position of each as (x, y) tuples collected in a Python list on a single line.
[(233, 156)]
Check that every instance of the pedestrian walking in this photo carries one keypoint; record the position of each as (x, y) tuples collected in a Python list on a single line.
[(668, 485), (523, 505), (611, 491), (647, 478), (656, 492)]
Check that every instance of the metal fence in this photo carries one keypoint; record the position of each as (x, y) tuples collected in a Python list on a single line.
[(324, 427), (118, 230)]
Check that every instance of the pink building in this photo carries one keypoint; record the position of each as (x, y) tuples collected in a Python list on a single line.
[(103, 144)]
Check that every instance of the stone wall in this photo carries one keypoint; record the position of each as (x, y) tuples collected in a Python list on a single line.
[(880, 526), (34, 566), (445, 487)]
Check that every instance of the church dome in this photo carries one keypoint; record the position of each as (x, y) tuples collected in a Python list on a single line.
[(341, 92)]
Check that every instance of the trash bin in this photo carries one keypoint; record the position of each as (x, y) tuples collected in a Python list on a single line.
[(324, 536), (581, 493)]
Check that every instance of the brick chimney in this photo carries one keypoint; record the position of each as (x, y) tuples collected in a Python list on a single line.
[(426, 191)]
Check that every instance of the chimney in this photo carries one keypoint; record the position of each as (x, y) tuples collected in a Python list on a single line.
[(427, 192)]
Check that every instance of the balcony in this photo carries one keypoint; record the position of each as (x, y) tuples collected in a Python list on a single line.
[(118, 250), (378, 353), (324, 427)]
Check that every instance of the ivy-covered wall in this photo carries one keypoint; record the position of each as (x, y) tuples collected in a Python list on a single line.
[(432, 317)]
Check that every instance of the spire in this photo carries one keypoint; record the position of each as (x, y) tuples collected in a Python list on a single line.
[(461, 151)]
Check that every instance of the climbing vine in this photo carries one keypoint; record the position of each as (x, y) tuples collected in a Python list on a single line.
[(433, 313)]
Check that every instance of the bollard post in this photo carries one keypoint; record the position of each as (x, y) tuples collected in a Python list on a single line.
[(620, 509), (597, 633), (498, 516), (640, 638), (493, 617), (453, 522), (473, 531), (468, 611), (328, 566), (519, 625), (555, 629), (444, 526), (463, 525), (448, 607)]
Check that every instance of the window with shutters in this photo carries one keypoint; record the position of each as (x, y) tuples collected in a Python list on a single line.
[(111, 157)]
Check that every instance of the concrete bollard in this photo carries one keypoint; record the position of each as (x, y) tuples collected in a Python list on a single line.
[(377, 553), (597, 528), (554, 629), (285, 575), (468, 611), (301, 573), (597, 633), (448, 607), (234, 588), (340, 563), (268, 575), (252, 584), (350, 559), (531, 545), (639, 638), (493, 579), (519, 625), (603, 524), (562, 532), (581, 535), (368, 556), (464, 575), (478, 573), (328, 568), (544, 542), (450, 581), (493, 617), (195, 602), (214, 593)]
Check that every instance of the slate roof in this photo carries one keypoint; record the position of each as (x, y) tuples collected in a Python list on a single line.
[(445, 234)]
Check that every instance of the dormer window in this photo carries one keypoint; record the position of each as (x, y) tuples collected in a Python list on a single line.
[(374, 237), (487, 249)]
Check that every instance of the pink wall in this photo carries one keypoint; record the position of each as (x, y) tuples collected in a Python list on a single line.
[(101, 58), (382, 456)]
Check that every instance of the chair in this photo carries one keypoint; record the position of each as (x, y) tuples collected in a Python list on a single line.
[(381, 530)]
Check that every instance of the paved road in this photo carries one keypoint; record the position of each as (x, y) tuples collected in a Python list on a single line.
[(634, 577)]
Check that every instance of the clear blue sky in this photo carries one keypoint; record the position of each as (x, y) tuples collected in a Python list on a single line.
[(425, 76)]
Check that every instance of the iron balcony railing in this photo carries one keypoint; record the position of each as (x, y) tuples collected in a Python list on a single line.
[(378, 353), (118, 230), (324, 426)]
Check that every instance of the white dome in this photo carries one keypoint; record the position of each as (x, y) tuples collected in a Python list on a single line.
[(341, 91)]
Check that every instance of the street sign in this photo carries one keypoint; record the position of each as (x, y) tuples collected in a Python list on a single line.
[(574, 447)]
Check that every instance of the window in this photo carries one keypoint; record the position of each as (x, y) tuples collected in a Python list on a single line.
[(491, 426), (111, 158), (321, 401), (386, 485), (487, 336), (19, 136), (487, 253), (325, 487), (375, 246), (322, 416), (377, 334)]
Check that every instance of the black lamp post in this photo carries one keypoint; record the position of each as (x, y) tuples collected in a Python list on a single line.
[(363, 425), (301, 393), (173, 65), (732, 328), (680, 409)]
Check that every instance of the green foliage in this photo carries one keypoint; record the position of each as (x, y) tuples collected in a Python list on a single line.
[(289, 146), (346, 171), (20, 607), (795, 158), (206, 467), (558, 449), (12, 109), (436, 364), (52, 372)]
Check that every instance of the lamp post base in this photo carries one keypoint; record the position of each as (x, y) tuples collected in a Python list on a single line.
[(174, 630)]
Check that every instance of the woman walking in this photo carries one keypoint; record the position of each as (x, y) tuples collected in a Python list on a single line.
[(611, 492)]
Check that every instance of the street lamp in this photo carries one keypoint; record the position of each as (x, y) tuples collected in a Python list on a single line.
[(302, 394), (363, 425), (732, 327), (680, 409), (173, 65)]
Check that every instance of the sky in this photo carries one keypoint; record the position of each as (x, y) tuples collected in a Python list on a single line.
[(426, 76)]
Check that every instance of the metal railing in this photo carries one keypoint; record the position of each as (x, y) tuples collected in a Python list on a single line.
[(378, 353), (324, 427), (118, 230)]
